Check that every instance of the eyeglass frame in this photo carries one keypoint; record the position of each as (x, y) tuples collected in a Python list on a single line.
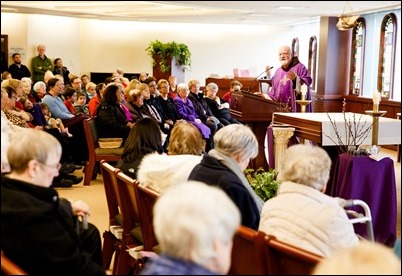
[(57, 166)]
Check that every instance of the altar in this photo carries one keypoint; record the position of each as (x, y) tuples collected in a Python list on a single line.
[(324, 128)]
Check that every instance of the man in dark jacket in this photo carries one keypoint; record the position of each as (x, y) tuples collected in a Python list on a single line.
[(17, 69)]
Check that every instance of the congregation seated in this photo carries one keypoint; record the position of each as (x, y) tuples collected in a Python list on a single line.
[(165, 105), (202, 109), (301, 214), (194, 224), (39, 91), (13, 114), (17, 108), (16, 124), (235, 85), (223, 166), (172, 87), (26, 84), (135, 105), (186, 110), (111, 121), (95, 101), (149, 108), (219, 107), (145, 137), (161, 171), (74, 123)]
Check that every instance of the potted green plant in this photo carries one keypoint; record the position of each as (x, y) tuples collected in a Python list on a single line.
[(165, 52), (263, 182)]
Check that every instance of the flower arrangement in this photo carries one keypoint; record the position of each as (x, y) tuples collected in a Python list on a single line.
[(355, 129), (263, 182), (167, 51)]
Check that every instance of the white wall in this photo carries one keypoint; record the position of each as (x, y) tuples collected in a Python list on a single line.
[(89, 45)]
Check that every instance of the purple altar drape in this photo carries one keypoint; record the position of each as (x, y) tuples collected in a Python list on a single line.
[(373, 182)]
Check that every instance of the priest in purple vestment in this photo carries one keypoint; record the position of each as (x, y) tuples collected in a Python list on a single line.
[(288, 79)]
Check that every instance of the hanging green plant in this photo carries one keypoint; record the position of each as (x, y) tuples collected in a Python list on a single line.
[(263, 182), (167, 51)]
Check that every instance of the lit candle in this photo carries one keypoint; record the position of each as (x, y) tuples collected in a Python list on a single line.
[(303, 91), (376, 101)]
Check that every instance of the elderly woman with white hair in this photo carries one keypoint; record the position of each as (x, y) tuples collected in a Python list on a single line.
[(39, 91), (223, 166), (40, 231), (194, 224), (302, 214)]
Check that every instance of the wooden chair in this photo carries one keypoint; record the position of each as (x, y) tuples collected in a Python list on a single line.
[(146, 198), (286, 259), (8, 267), (247, 257), (96, 154), (111, 242), (132, 234)]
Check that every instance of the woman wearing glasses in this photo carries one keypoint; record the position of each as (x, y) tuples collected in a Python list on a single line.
[(40, 231)]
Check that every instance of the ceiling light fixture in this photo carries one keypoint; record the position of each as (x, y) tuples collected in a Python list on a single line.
[(347, 20)]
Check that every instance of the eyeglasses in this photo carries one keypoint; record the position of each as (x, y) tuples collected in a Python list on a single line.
[(77, 82), (61, 84), (57, 166), (165, 87)]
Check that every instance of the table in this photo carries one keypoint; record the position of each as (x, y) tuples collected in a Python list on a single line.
[(318, 128), (360, 177)]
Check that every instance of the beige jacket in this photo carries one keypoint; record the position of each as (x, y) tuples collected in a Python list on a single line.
[(307, 218)]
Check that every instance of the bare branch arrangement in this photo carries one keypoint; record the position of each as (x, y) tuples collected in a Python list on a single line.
[(356, 131)]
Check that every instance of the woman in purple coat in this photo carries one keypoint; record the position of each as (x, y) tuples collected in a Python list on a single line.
[(186, 110)]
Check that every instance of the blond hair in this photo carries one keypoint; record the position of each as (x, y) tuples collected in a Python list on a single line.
[(363, 259), (185, 139)]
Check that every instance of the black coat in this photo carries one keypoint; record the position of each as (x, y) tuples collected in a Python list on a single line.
[(111, 121), (38, 234), (214, 173)]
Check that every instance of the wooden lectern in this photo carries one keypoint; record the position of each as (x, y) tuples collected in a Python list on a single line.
[(256, 112)]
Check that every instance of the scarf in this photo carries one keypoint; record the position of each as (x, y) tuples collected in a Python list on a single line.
[(234, 167)]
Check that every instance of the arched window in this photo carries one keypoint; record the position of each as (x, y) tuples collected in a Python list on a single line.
[(357, 58), (386, 64), (312, 60), (295, 47)]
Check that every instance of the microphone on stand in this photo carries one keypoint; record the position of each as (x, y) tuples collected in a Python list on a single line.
[(249, 87)]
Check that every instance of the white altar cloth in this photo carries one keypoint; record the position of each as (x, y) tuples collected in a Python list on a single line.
[(389, 130)]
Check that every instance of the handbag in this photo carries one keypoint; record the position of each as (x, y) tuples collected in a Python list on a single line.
[(214, 119)]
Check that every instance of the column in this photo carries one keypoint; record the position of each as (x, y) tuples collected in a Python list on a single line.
[(281, 140)]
